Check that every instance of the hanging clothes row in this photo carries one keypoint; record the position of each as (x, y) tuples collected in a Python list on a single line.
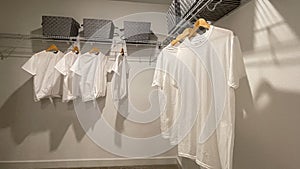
[(72, 75), (198, 73)]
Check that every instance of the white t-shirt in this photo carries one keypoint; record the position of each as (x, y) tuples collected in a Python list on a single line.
[(168, 93), (46, 80), (120, 78), (63, 66), (208, 69), (92, 70)]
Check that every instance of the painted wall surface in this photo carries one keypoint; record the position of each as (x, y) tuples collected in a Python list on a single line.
[(32, 131), (268, 101), (267, 104)]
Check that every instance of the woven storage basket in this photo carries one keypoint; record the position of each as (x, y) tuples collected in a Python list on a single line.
[(59, 26), (98, 28), (137, 31)]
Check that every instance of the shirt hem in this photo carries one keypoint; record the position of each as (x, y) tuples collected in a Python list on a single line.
[(28, 71), (200, 163), (234, 85), (156, 83), (60, 71)]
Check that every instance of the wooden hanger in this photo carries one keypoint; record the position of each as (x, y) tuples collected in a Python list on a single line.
[(75, 49), (122, 52), (184, 34), (199, 23), (52, 48), (95, 50)]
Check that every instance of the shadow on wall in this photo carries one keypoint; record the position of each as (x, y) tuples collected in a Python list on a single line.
[(274, 34), (267, 136), (264, 135), (120, 120), (24, 117), (267, 124), (290, 12), (248, 12)]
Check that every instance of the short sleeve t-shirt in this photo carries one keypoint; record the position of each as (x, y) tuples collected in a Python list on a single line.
[(46, 79), (92, 70), (120, 78), (164, 79), (215, 60), (63, 66), (213, 63)]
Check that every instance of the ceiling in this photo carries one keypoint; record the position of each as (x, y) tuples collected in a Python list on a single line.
[(166, 2)]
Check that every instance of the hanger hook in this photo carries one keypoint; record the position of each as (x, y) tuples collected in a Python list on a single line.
[(215, 5), (2, 55)]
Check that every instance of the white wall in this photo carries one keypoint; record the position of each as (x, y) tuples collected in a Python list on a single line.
[(24, 17), (42, 132), (268, 102)]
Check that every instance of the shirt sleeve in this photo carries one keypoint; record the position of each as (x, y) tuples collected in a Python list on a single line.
[(115, 66), (158, 73), (168, 97), (108, 66), (127, 67), (76, 67), (236, 63), (31, 65), (61, 66)]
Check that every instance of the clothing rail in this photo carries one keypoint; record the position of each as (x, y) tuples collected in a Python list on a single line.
[(9, 49), (73, 39), (142, 59), (25, 55)]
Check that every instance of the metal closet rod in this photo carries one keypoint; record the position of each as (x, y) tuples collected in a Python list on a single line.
[(73, 39), (129, 59), (12, 54)]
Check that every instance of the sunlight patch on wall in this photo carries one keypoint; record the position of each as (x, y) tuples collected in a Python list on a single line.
[(270, 28), (275, 43)]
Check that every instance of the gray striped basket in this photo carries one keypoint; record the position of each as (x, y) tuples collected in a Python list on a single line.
[(98, 28), (59, 26), (137, 31)]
